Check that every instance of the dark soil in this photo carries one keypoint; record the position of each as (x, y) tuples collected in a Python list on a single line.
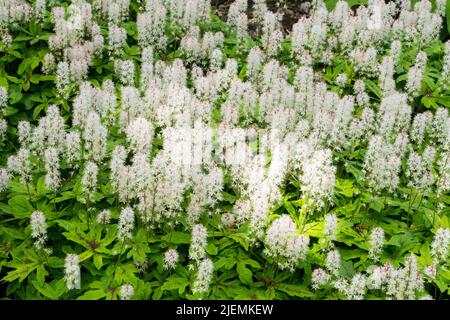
[(292, 11)]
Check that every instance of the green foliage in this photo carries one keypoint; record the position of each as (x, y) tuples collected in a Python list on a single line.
[(241, 269)]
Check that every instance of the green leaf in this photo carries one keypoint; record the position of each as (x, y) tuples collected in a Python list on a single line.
[(93, 295), (23, 66), (9, 111), (36, 78), (21, 272), (14, 233), (20, 188), (15, 94), (177, 237), (373, 87), (429, 102), (66, 195), (447, 15), (289, 207), (228, 197), (26, 85), (227, 262), (444, 100), (242, 239), (294, 290), (40, 274), (245, 274), (85, 255), (211, 249), (253, 263), (403, 241), (157, 294), (347, 269), (376, 205), (55, 262), (345, 187), (175, 283), (46, 290), (40, 187), (98, 261), (37, 110), (21, 206)]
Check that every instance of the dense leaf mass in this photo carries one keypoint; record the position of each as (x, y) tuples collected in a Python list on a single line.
[(150, 150)]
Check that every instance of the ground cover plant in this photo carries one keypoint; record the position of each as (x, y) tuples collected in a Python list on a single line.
[(152, 150)]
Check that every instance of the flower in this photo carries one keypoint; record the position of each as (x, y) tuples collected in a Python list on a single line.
[(21, 165), (89, 180), (126, 291), (386, 77), (150, 25), (140, 135), (405, 283), (254, 62), (365, 60), (440, 245), (3, 98), (259, 9), (198, 243), (382, 164), (237, 17), (117, 38), (281, 240), (49, 64), (440, 125), (52, 178), (318, 177), (341, 80), (333, 262), (394, 115), (319, 278), (72, 147), (228, 220), (72, 272), (126, 224), (170, 259), (430, 271), (271, 33), (24, 132), (124, 70), (379, 276), (38, 229), (203, 278), (356, 289), (62, 78), (5, 177), (95, 136), (330, 226), (104, 217), (419, 168), (376, 242), (421, 125), (3, 128)]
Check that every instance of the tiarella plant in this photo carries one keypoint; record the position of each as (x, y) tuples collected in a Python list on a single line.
[(150, 150)]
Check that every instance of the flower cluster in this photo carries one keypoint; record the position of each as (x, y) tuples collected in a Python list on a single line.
[(440, 245), (126, 291), (198, 243), (126, 224), (282, 241), (171, 259), (376, 242), (188, 116), (38, 229), (72, 271), (204, 275)]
